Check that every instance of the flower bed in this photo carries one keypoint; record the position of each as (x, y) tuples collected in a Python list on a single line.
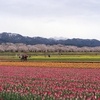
[(53, 64), (49, 83)]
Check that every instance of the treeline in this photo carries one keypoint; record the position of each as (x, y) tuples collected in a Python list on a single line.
[(21, 47)]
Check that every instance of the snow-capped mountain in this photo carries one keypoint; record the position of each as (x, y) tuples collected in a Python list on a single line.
[(17, 38)]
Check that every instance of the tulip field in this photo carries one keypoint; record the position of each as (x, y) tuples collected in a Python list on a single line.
[(49, 81)]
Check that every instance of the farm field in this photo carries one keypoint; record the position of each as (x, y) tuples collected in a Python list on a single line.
[(70, 76), (49, 81), (53, 64), (54, 56)]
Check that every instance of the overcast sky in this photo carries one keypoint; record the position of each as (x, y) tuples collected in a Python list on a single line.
[(51, 18)]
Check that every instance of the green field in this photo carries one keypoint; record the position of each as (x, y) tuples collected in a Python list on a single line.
[(54, 56)]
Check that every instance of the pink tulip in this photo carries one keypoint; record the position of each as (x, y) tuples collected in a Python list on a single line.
[(52, 82)]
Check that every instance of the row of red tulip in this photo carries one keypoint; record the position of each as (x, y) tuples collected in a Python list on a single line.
[(55, 83)]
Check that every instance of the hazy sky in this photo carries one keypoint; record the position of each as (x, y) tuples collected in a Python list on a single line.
[(51, 18)]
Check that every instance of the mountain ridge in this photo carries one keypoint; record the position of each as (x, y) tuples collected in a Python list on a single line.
[(17, 38)]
